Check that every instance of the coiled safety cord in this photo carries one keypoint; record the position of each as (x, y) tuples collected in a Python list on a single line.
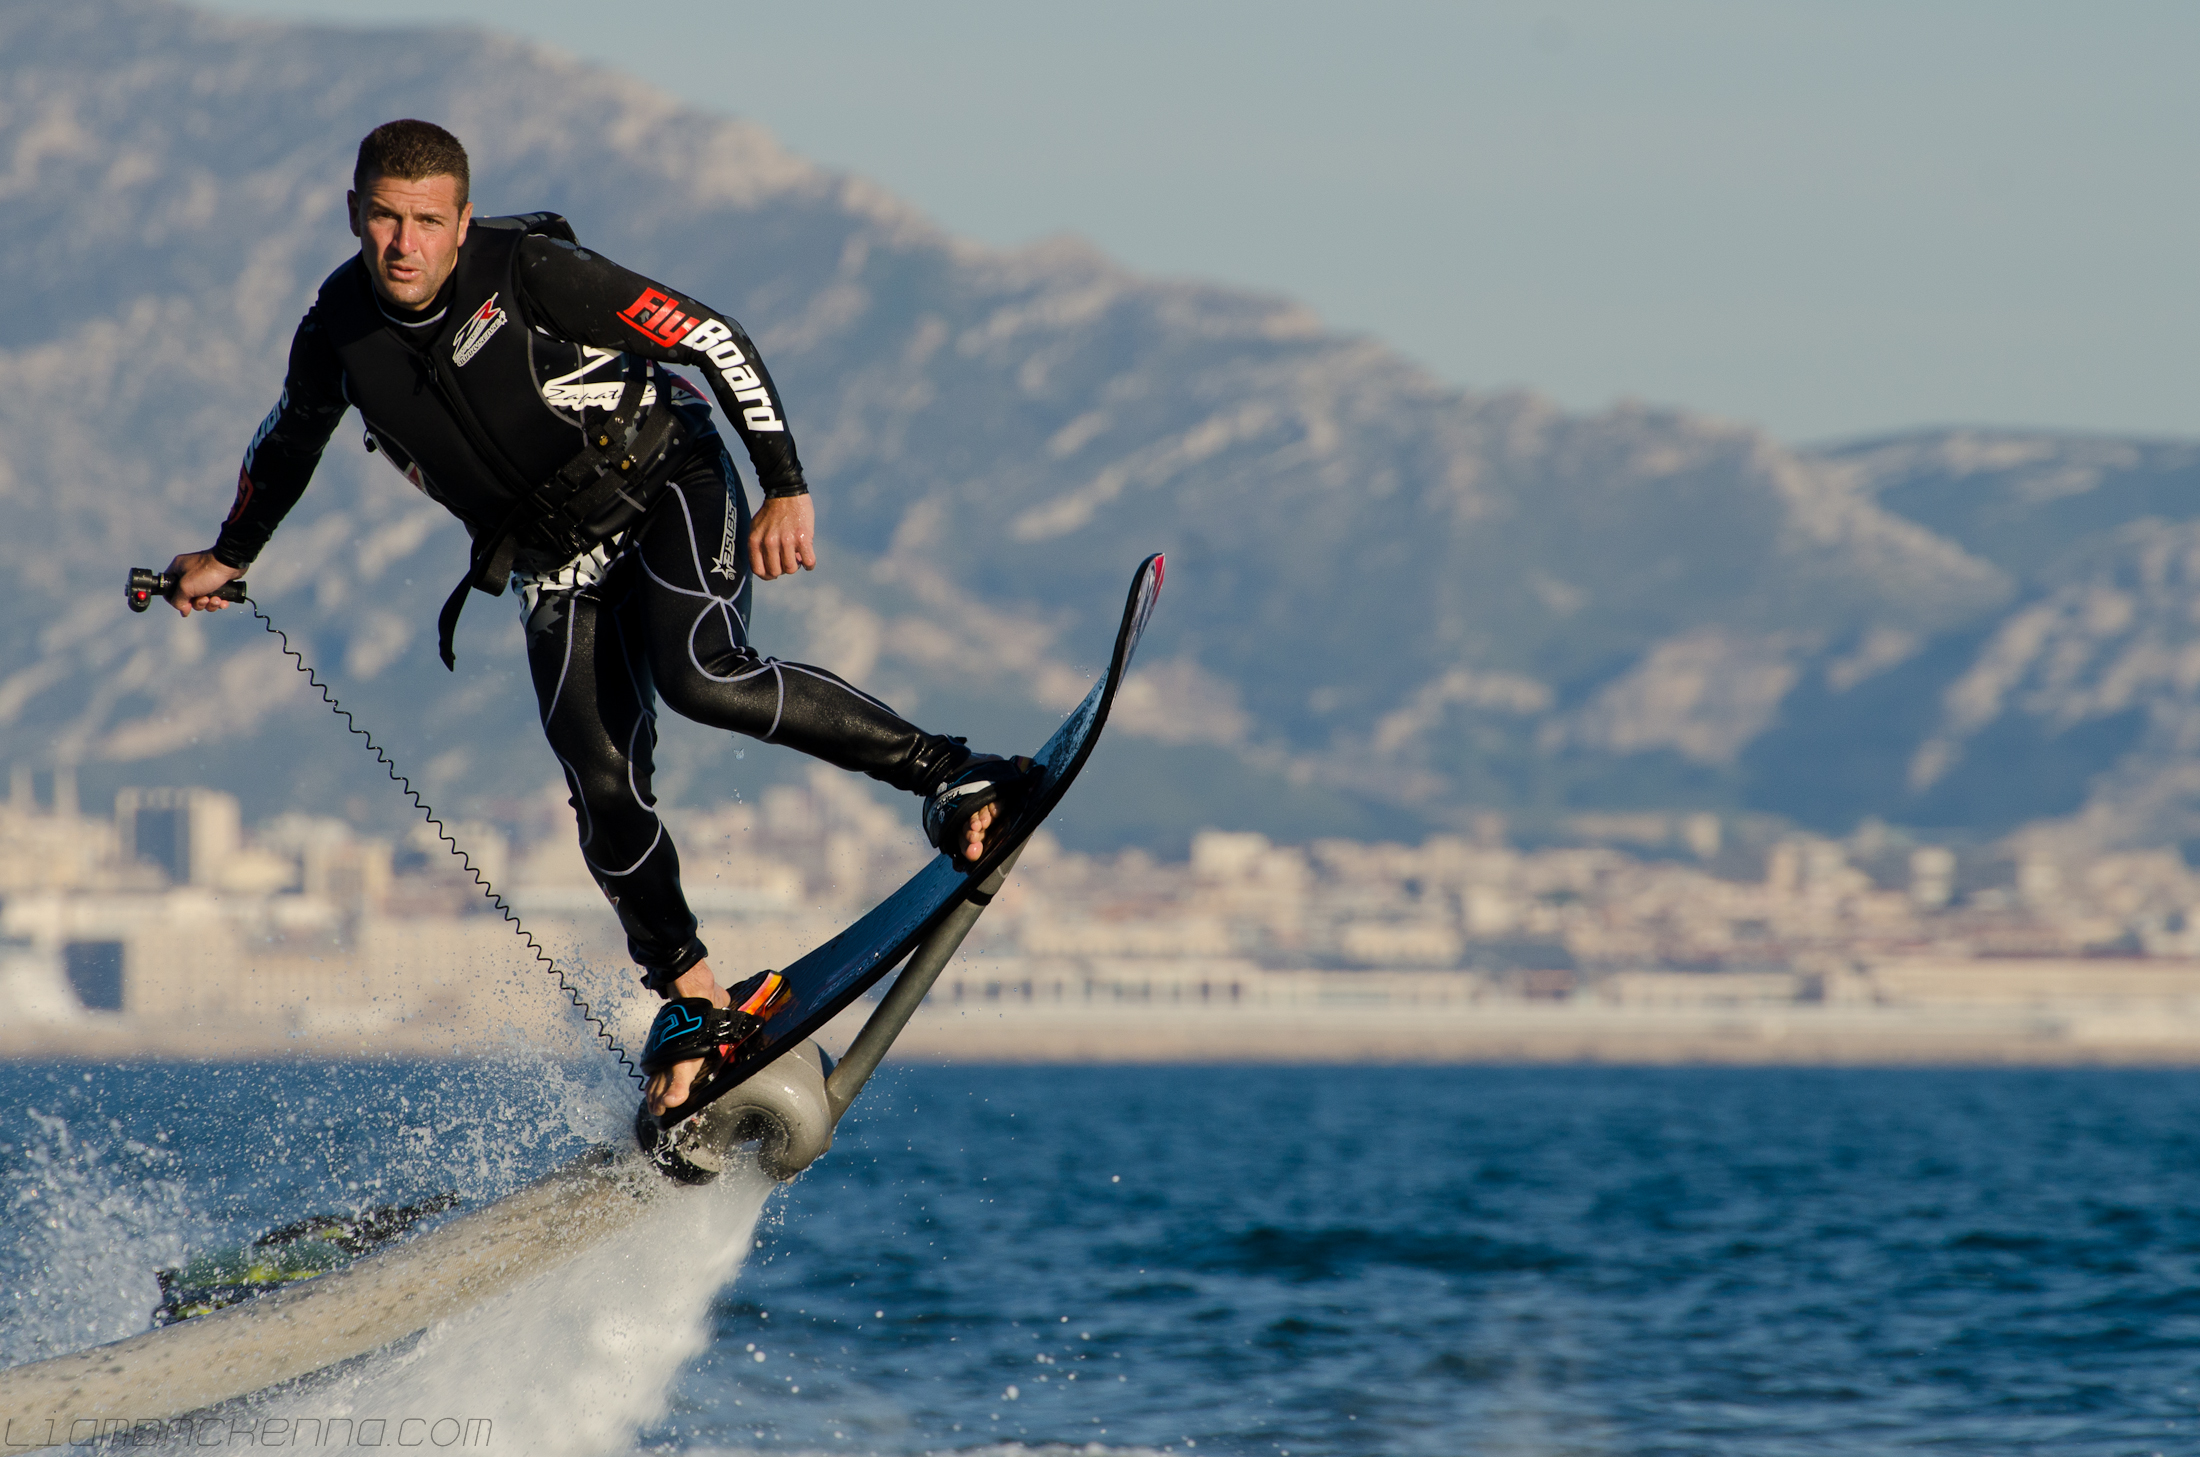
[(596, 1023)]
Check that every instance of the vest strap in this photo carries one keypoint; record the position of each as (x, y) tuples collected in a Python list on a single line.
[(554, 516)]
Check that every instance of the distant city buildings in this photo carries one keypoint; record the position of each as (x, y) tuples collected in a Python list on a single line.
[(171, 926)]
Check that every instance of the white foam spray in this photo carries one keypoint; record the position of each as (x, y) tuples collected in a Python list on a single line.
[(89, 1217), (575, 1362)]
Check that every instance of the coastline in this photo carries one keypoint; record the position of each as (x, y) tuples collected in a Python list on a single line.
[(1311, 1033)]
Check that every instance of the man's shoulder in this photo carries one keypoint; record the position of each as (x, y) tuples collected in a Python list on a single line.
[(349, 274), (530, 224), (495, 245), (346, 284)]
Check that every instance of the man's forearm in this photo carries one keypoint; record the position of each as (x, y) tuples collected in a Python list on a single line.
[(276, 470), (286, 449), (230, 553)]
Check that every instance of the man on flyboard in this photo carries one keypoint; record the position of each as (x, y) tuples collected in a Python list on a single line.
[(518, 378)]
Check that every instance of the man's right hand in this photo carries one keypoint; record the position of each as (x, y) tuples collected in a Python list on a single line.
[(198, 577), (783, 537)]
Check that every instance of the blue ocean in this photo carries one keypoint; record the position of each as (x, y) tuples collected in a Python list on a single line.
[(1220, 1259)]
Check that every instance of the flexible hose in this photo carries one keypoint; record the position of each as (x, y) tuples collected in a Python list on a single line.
[(601, 1028)]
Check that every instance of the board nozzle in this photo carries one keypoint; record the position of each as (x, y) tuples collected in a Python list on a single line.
[(146, 584)]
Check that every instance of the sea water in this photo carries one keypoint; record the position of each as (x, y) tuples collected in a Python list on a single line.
[(1228, 1260)]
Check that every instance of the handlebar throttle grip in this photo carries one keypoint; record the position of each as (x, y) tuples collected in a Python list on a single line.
[(145, 585)]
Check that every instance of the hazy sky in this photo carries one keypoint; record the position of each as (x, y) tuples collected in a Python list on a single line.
[(1827, 218)]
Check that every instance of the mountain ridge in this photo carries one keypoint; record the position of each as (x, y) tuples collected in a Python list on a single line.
[(1394, 606)]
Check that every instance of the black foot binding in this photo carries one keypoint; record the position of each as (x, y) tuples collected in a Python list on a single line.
[(691, 1027), (982, 780)]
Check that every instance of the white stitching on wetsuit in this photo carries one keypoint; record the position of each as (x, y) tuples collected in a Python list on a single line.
[(737, 629), (841, 683), (580, 803), (588, 716), (641, 721), (565, 667)]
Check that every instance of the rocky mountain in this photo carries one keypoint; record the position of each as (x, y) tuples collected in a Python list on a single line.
[(2076, 699), (1392, 604)]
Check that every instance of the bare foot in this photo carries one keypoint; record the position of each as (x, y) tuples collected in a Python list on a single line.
[(974, 831), (669, 1088)]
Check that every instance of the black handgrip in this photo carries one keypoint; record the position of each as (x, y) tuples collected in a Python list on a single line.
[(145, 585)]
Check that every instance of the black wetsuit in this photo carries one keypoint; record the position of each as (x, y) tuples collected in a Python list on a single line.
[(509, 374)]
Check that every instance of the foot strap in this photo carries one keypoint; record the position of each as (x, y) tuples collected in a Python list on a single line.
[(690, 1027), (985, 779)]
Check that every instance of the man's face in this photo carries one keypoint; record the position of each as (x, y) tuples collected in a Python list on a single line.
[(409, 234)]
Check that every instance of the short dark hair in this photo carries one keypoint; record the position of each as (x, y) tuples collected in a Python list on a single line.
[(410, 151)]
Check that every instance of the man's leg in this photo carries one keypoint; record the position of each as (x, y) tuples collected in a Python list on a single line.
[(695, 583), (592, 686), (682, 595)]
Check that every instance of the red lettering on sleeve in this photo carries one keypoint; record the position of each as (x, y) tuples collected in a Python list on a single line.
[(657, 316), (244, 497)]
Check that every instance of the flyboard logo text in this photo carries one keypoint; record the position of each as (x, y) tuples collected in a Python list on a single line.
[(658, 317), (477, 331)]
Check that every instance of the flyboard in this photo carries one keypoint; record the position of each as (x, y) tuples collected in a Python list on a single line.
[(780, 1091), (790, 1111)]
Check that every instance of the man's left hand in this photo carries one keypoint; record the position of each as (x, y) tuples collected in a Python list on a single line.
[(783, 537)]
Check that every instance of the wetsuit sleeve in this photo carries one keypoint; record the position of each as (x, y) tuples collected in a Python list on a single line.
[(580, 296), (288, 445)]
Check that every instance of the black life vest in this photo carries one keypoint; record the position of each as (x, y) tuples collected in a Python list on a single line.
[(541, 446)]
